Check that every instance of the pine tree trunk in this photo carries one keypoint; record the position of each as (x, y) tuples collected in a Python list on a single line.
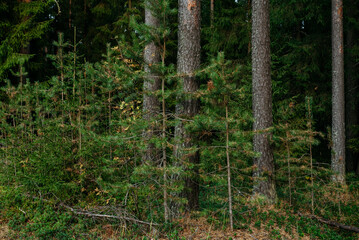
[(188, 61), (338, 107), (351, 114), (262, 100), (152, 83)]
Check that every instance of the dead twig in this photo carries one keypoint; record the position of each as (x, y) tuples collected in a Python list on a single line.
[(331, 223), (91, 214)]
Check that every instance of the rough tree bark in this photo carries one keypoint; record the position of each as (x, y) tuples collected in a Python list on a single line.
[(262, 100), (338, 102), (188, 61), (152, 83)]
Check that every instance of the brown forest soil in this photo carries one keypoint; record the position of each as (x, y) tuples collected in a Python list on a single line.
[(192, 229), (4, 230), (201, 229)]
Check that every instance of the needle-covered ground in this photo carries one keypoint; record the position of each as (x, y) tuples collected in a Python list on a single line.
[(31, 218), (268, 224)]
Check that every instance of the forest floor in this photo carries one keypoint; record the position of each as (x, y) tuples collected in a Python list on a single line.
[(192, 229), (261, 223), (4, 230), (201, 229)]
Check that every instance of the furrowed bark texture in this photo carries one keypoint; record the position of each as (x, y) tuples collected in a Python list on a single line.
[(262, 100), (351, 102), (152, 83), (188, 61), (338, 103)]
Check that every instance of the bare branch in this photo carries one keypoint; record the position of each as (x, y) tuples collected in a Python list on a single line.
[(91, 214), (331, 223)]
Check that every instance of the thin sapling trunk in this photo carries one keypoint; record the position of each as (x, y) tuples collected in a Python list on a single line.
[(228, 171)]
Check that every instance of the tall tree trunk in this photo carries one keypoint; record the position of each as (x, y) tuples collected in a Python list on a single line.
[(338, 107), (152, 83), (351, 102), (262, 100), (188, 61)]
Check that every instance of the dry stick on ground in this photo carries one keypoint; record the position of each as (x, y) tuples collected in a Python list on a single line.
[(331, 223), (91, 214)]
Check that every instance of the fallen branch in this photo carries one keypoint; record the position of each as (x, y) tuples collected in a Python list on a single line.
[(91, 214), (58, 7), (331, 223)]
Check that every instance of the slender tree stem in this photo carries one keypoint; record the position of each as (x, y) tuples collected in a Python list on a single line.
[(164, 119), (62, 76), (109, 120), (74, 72), (229, 172), (164, 154), (288, 160), (310, 152)]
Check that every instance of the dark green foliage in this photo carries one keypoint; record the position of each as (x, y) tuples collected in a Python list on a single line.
[(20, 23), (71, 120), (230, 32), (226, 86)]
